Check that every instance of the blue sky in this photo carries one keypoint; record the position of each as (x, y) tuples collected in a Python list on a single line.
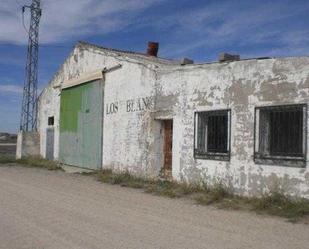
[(185, 28)]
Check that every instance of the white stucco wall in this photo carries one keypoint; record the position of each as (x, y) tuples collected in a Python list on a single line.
[(132, 140), (135, 79), (127, 132), (239, 86)]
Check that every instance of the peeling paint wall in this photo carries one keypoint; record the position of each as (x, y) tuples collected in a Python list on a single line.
[(144, 91), (127, 139), (129, 130), (81, 60), (240, 86)]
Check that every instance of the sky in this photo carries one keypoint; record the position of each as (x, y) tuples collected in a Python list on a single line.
[(197, 29)]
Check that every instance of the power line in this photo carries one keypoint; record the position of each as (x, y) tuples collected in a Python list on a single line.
[(40, 45), (55, 46), (23, 21)]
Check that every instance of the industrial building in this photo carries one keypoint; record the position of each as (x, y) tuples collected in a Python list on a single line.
[(239, 122)]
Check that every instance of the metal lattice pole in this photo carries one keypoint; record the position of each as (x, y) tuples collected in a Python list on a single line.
[(28, 120)]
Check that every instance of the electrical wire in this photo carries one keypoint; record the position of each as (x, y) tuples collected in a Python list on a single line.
[(23, 15), (28, 31), (55, 46), (23, 21), (40, 45)]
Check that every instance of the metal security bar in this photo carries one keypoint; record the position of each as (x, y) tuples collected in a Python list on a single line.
[(281, 135), (217, 133), (286, 131), (212, 135)]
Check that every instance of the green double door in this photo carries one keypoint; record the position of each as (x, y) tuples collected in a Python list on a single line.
[(81, 125)]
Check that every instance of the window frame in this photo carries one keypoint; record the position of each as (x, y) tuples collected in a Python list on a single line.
[(290, 161), (219, 156)]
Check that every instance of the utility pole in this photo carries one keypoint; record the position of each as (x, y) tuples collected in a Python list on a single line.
[(28, 121)]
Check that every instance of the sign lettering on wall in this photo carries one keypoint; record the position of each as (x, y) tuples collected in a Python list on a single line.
[(131, 105), (112, 108), (140, 104)]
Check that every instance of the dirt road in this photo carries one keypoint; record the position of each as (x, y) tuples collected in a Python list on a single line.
[(44, 209)]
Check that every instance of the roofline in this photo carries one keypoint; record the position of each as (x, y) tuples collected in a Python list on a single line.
[(158, 60), (174, 61), (127, 52)]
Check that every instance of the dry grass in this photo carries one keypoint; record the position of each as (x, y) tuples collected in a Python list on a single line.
[(281, 205), (39, 162), (157, 187), (36, 162), (273, 203), (219, 195), (7, 159)]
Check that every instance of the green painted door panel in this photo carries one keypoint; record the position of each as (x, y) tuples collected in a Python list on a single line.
[(81, 125)]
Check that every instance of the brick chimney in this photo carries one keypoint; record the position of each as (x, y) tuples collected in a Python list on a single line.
[(225, 57), (153, 48)]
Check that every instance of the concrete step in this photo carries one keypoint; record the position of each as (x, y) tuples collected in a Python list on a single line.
[(73, 169)]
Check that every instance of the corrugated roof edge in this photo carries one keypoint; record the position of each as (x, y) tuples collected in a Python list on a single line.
[(129, 53)]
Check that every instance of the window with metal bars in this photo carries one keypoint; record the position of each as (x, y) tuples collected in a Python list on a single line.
[(212, 135), (280, 133)]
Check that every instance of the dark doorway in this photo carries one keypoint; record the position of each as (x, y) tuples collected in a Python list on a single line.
[(168, 148)]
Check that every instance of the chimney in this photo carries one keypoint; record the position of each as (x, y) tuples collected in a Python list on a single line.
[(153, 48), (186, 61), (225, 57)]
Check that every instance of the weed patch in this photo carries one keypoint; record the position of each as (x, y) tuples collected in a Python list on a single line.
[(218, 195), (274, 203), (36, 162), (7, 159), (124, 179), (281, 205)]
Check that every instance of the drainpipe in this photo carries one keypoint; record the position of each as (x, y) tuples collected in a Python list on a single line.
[(104, 72)]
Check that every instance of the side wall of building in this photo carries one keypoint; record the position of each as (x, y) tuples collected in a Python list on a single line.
[(239, 86), (128, 102), (81, 60), (139, 95), (129, 136)]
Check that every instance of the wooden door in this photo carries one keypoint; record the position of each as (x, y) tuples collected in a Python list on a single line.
[(168, 147)]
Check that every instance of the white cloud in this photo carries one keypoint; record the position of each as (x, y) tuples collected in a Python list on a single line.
[(247, 23), (11, 89), (66, 19), (211, 26)]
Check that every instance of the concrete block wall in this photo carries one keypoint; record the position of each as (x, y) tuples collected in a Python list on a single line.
[(28, 144)]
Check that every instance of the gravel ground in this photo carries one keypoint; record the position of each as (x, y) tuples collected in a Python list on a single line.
[(44, 209)]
